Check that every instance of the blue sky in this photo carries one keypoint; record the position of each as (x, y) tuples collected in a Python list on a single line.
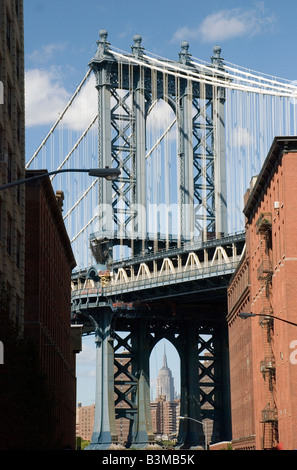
[(60, 40), (61, 35)]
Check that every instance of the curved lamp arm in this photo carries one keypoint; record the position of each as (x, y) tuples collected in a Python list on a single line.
[(107, 173)]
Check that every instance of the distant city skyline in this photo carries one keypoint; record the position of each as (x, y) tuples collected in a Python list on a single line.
[(86, 363)]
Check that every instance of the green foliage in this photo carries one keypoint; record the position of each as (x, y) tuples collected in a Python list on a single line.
[(168, 444), (84, 444)]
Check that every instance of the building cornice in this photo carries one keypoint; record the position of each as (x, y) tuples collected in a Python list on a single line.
[(279, 147)]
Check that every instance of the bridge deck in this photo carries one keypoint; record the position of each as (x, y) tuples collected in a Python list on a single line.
[(190, 270)]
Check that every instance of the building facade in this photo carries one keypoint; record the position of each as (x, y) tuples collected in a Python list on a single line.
[(165, 417), (49, 263), (12, 157), (85, 421), (263, 348)]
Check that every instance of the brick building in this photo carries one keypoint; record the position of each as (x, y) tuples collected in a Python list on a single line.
[(165, 416), (12, 157), (263, 348), (85, 421), (48, 265)]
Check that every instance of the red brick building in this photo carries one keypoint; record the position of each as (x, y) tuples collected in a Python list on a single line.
[(263, 365), (85, 416), (49, 262), (165, 416)]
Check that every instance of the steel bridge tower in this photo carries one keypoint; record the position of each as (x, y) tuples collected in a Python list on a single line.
[(129, 87)]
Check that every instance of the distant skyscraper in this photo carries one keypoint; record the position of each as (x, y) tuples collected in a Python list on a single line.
[(165, 382)]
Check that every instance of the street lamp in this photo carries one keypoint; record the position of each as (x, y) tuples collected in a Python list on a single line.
[(107, 173), (245, 315), (203, 426)]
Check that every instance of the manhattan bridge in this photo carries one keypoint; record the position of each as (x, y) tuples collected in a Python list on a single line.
[(156, 248)]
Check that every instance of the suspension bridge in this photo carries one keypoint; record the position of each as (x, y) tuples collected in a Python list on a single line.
[(156, 248)]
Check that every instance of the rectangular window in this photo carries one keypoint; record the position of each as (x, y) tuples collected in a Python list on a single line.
[(8, 33), (9, 234), (8, 293), (19, 127), (18, 62), (18, 250), (9, 167), (9, 100), (18, 188), (18, 311)]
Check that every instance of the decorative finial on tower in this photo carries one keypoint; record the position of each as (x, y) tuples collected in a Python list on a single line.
[(137, 49), (103, 45), (216, 59), (184, 56)]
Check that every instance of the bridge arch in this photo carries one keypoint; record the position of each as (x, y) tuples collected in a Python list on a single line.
[(164, 355)]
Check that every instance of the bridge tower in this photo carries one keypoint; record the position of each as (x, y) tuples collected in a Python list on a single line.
[(129, 88)]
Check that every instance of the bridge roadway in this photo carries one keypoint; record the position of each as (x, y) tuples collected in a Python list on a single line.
[(190, 273)]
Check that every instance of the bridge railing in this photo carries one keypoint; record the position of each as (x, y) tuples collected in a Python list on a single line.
[(90, 288), (166, 278), (186, 247)]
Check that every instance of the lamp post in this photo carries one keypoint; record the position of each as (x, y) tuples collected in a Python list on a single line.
[(245, 315), (107, 173), (203, 426)]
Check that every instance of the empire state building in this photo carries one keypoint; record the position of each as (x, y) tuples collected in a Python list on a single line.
[(165, 386)]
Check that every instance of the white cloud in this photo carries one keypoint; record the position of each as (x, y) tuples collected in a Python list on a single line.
[(228, 24), (185, 34), (160, 117), (45, 53), (88, 354), (241, 137), (224, 25), (45, 97), (84, 107)]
